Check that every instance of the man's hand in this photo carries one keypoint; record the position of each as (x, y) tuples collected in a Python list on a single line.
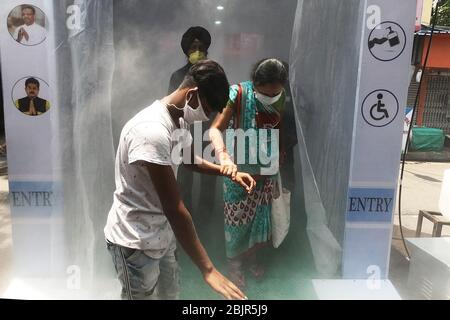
[(228, 168), (22, 34), (25, 34), (246, 181), (223, 286)]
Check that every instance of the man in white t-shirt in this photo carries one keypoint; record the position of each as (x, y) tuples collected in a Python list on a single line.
[(29, 33), (148, 215)]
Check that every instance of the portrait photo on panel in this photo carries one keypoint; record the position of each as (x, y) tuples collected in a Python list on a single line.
[(28, 25), (31, 96)]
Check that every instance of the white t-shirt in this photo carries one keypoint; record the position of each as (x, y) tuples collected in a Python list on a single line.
[(136, 219), (36, 34)]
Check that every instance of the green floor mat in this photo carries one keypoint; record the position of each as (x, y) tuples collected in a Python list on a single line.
[(289, 269)]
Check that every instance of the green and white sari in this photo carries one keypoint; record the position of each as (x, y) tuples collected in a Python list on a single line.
[(247, 217)]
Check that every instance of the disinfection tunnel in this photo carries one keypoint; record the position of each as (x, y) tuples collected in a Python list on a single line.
[(96, 64)]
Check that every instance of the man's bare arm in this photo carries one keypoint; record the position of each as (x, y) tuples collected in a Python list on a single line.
[(206, 167), (181, 221)]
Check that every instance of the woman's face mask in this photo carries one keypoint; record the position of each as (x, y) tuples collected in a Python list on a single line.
[(192, 115), (267, 101), (196, 57)]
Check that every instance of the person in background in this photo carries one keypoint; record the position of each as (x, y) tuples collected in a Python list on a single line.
[(289, 135), (253, 105), (195, 44)]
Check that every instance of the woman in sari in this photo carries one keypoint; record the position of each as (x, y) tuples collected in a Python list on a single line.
[(254, 105)]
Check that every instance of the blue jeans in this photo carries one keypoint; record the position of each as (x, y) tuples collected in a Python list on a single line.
[(145, 278)]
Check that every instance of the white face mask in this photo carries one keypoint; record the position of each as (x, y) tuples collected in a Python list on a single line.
[(192, 115), (267, 101)]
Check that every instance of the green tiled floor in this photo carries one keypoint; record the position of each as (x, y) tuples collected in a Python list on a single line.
[(289, 269)]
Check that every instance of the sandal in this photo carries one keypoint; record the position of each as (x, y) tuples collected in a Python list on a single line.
[(257, 271)]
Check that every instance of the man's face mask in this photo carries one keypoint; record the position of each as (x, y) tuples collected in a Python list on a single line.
[(196, 57), (192, 115), (268, 101)]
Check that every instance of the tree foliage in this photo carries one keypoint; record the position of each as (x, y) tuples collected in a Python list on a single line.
[(444, 14)]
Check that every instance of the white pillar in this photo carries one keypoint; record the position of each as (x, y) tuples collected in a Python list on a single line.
[(32, 144), (385, 58)]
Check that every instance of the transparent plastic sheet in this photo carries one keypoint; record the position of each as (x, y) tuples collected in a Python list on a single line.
[(121, 60), (147, 36), (85, 60), (324, 70), (147, 46)]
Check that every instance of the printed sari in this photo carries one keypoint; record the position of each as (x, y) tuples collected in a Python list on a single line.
[(247, 216)]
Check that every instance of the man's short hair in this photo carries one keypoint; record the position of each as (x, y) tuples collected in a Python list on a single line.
[(212, 83), (32, 81), (27, 6)]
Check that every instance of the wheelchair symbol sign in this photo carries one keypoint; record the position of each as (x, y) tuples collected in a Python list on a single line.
[(380, 108)]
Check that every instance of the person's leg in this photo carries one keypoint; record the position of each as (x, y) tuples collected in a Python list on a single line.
[(169, 280), (185, 181), (261, 232), (137, 273), (208, 190), (207, 184)]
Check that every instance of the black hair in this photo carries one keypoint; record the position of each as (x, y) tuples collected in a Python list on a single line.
[(32, 81), (212, 83), (269, 71), (27, 6)]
